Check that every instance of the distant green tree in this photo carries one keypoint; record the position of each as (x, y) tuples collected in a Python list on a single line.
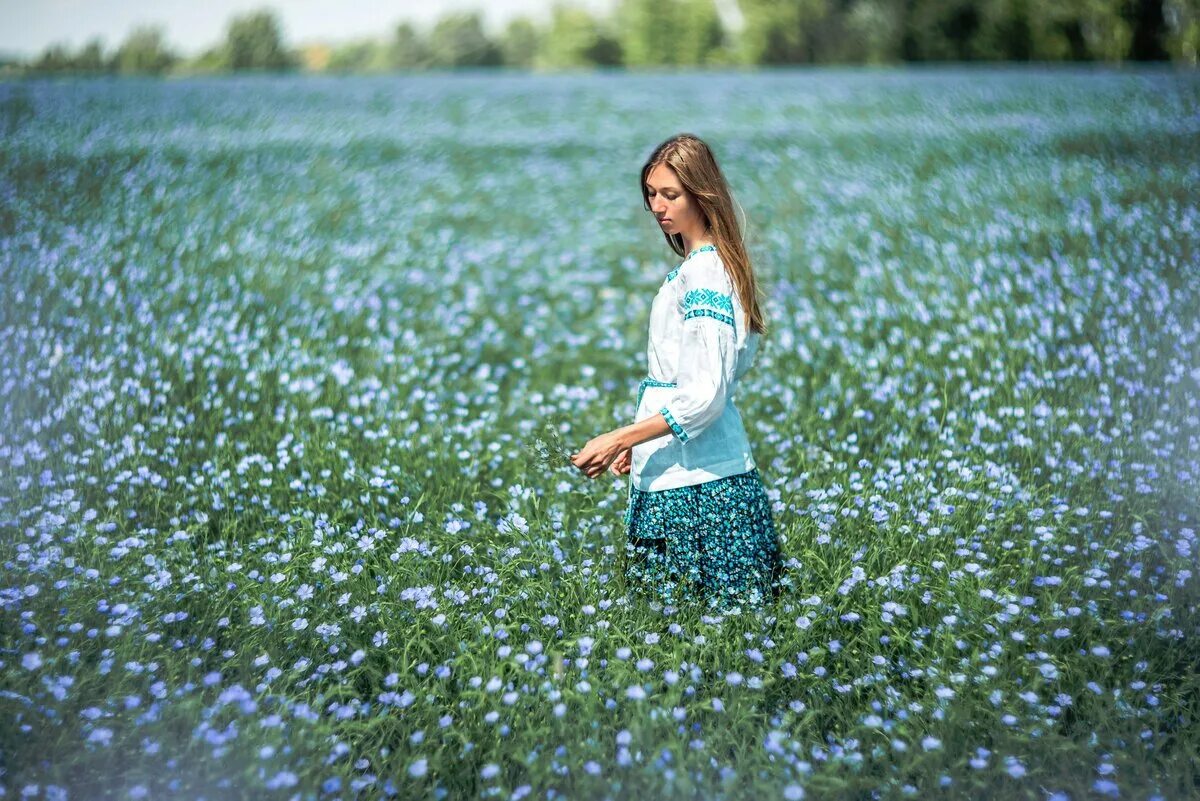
[(253, 42), (1147, 21), (576, 38), (1057, 33), (872, 29), (646, 32), (91, 57), (212, 60), (670, 32), (408, 49), (1067, 30), (1183, 26), (941, 30), (520, 43), (364, 55), (58, 58), (835, 35), (780, 31), (1006, 30), (699, 33), (606, 48), (144, 51), (54, 58), (458, 40), (1106, 33)]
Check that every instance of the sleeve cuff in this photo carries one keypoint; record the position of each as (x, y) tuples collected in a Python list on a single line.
[(675, 427)]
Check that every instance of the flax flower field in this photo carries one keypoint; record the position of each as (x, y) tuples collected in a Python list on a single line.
[(289, 367)]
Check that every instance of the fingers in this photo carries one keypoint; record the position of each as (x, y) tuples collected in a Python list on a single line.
[(593, 467)]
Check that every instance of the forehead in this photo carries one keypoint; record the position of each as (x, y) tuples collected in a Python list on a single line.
[(662, 177)]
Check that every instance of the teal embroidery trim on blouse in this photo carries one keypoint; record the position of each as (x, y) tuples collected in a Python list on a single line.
[(678, 429), (650, 382), (716, 315), (707, 297), (671, 275), (708, 303)]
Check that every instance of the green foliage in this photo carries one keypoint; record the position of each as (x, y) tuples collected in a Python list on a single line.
[(670, 32), (944, 30), (458, 40), (699, 34), (55, 58), (366, 55), (780, 31), (577, 39), (210, 60), (690, 33), (1005, 30), (144, 51), (408, 50), (643, 27), (873, 31), (520, 42), (91, 58), (1183, 29), (253, 42)]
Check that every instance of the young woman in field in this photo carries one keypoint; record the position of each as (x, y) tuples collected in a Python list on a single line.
[(699, 523)]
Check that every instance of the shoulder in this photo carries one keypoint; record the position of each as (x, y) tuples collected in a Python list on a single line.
[(706, 270), (706, 286)]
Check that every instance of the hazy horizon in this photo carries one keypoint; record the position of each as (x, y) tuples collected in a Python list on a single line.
[(190, 27)]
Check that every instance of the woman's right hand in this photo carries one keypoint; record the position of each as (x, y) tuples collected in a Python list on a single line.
[(623, 463)]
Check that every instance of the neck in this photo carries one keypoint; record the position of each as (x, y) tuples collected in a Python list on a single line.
[(693, 241)]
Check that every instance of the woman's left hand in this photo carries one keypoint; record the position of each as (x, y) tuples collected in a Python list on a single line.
[(599, 452)]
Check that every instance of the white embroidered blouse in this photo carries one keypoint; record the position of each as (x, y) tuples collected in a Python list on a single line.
[(699, 347)]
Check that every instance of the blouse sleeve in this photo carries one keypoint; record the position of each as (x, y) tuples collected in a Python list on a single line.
[(707, 353)]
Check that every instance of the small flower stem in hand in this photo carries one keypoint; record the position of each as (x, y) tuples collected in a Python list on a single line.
[(549, 447)]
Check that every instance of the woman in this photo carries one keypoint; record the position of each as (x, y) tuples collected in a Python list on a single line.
[(699, 521)]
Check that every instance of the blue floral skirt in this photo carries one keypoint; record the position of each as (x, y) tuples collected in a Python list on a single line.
[(714, 542)]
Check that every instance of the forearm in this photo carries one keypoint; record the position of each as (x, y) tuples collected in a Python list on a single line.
[(652, 427)]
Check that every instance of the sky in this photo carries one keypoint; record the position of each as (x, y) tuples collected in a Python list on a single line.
[(28, 26)]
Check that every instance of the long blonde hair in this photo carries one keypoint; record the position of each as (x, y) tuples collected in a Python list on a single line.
[(694, 163)]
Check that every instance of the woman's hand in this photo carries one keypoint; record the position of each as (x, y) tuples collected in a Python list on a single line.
[(623, 463), (599, 452)]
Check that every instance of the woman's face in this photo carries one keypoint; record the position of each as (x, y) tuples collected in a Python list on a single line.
[(674, 208)]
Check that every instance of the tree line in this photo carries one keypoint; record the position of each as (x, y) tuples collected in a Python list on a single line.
[(685, 33)]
